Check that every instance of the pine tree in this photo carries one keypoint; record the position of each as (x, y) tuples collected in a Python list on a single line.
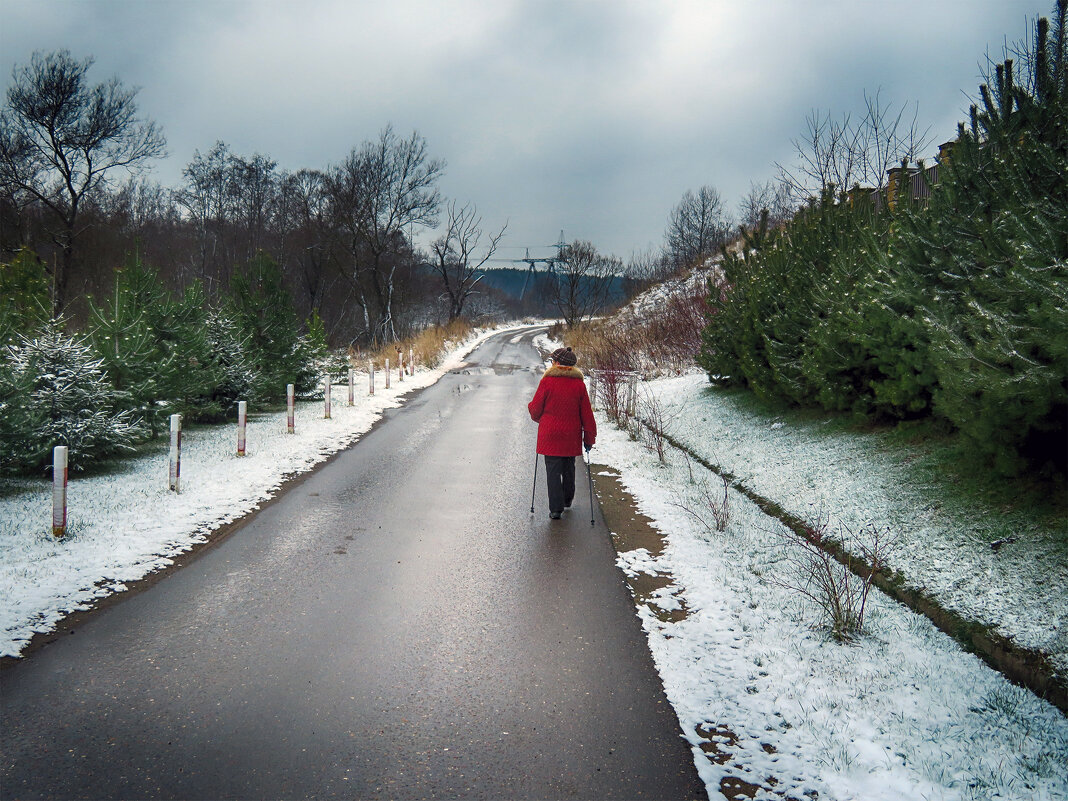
[(25, 302), (59, 395), (156, 348), (993, 256), (124, 337), (263, 309), (230, 352)]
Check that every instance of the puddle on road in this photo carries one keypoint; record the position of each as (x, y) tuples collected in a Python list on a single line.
[(493, 369), (632, 530)]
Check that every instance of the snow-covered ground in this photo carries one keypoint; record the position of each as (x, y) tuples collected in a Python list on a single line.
[(1021, 589), (903, 713), (124, 525)]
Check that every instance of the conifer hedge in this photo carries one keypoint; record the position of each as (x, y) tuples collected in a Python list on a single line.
[(147, 353), (956, 309)]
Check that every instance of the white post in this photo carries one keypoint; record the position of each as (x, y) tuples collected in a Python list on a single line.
[(242, 410), (176, 453), (400, 364), (290, 410), (387, 373), (370, 378), (352, 387), (59, 491), (327, 382), (411, 361)]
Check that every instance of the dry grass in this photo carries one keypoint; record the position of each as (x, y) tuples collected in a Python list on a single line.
[(428, 347), (663, 340)]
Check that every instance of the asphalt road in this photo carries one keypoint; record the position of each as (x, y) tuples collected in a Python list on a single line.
[(397, 625)]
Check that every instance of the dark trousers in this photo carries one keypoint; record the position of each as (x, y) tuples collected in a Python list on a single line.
[(560, 475)]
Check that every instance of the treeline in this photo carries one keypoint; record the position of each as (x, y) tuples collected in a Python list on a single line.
[(954, 307), (73, 193)]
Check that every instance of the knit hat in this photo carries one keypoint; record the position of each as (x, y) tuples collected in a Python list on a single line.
[(564, 356)]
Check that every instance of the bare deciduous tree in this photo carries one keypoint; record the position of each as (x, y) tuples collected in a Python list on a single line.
[(307, 243), (204, 197), (60, 138), (645, 269), (379, 191), (843, 153), (582, 281), (252, 193), (455, 261), (775, 196), (698, 227)]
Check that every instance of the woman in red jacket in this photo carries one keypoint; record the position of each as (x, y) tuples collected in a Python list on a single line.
[(561, 408)]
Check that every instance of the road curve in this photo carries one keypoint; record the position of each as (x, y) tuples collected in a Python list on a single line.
[(398, 625)]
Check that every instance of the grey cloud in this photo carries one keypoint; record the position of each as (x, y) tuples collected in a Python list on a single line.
[(591, 116)]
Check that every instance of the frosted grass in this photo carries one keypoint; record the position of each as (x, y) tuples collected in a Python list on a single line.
[(1019, 590), (905, 713)]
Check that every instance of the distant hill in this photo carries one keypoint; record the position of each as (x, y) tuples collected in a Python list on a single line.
[(511, 282)]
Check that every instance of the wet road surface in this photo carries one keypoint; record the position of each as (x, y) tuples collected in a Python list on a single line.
[(398, 625)]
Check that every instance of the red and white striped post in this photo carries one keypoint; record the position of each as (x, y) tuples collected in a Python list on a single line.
[(327, 383), (176, 453), (59, 491), (290, 410), (400, 364), (411, 361), (387, 373), (370, 378), (352, 387), (242, 415)]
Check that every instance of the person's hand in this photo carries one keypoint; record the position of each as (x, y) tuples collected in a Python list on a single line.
[(587, 447)]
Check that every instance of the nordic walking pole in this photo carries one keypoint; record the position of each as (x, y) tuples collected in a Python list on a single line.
[(589, 475), (535, 487)]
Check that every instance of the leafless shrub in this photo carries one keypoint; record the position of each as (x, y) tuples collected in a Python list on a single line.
[(671, 335), (652, 414), (611, 394), (709, 504), (838, 588), (659, 337)]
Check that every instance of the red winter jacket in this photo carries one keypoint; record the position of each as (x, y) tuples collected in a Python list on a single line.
[(561, 408)]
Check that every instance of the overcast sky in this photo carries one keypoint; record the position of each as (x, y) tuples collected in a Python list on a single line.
[(587, 116)]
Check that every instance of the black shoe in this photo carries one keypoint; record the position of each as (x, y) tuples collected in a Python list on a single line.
[(554, 515)]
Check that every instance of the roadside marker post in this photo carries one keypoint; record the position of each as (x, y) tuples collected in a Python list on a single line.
[(370, 378), (242, 416), (59, 491), (327, 382), (411, 361), (176, 453), (387, 373), (400, 364), (352, 387), (290, 410)]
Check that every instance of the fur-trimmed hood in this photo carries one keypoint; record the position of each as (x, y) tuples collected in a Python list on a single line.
[(560, 371)]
